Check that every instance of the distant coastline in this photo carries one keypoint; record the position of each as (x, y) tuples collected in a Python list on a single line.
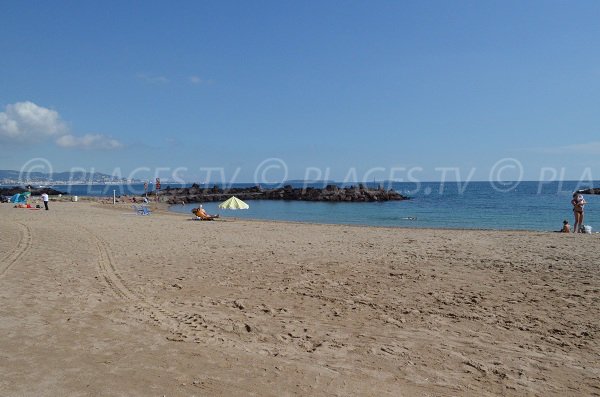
[(20, 178), (62, 183)]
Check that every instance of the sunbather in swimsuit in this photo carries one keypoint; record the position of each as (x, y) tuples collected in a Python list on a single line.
[(202, 214), (578, 203)]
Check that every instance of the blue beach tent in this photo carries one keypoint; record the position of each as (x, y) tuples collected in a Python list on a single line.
[(20, 198)]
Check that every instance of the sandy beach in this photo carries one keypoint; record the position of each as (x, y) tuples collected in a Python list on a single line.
[(98, 301)]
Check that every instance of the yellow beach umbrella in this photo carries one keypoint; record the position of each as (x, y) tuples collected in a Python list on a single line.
[(233, 203)]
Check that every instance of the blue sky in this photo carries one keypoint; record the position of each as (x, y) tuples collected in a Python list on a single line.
[(375, 88)]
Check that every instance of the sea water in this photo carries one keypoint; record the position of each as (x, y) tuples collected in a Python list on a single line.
[(470, 205), (538, 206)]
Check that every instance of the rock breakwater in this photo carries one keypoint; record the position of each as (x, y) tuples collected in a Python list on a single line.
[(589, 191), (331, 193)]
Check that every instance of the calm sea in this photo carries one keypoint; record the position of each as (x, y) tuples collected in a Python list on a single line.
[(477, 205)]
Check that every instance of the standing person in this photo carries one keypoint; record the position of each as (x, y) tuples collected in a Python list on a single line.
[(45, 199), (578, 203)]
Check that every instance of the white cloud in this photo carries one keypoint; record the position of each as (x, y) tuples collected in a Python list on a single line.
[(590, 148), (88, 141), (152, 79), (196, 80), (26, 122)]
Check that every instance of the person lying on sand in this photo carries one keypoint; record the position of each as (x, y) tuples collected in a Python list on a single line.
[(202, 214)]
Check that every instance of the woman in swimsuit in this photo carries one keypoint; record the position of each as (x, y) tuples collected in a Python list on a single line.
[(578, 203), (202, 214)]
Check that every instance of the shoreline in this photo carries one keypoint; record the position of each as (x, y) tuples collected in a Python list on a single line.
[(165, 207), (374, 226)]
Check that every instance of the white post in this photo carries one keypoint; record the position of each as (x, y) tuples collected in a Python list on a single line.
[(114, 197)]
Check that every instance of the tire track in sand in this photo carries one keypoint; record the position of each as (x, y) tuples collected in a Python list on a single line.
[(23, 245), (178, 324), (108, 272), (183, 325)]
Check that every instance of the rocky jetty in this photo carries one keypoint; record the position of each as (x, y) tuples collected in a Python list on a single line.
[(590, 191), (332, 193), (10, 191)]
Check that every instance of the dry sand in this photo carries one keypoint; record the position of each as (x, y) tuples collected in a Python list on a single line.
[(96, 301)]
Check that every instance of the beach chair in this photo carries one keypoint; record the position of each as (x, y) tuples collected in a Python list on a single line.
[(141, 210)]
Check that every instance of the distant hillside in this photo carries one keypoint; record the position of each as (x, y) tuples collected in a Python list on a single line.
[(16, 177)]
